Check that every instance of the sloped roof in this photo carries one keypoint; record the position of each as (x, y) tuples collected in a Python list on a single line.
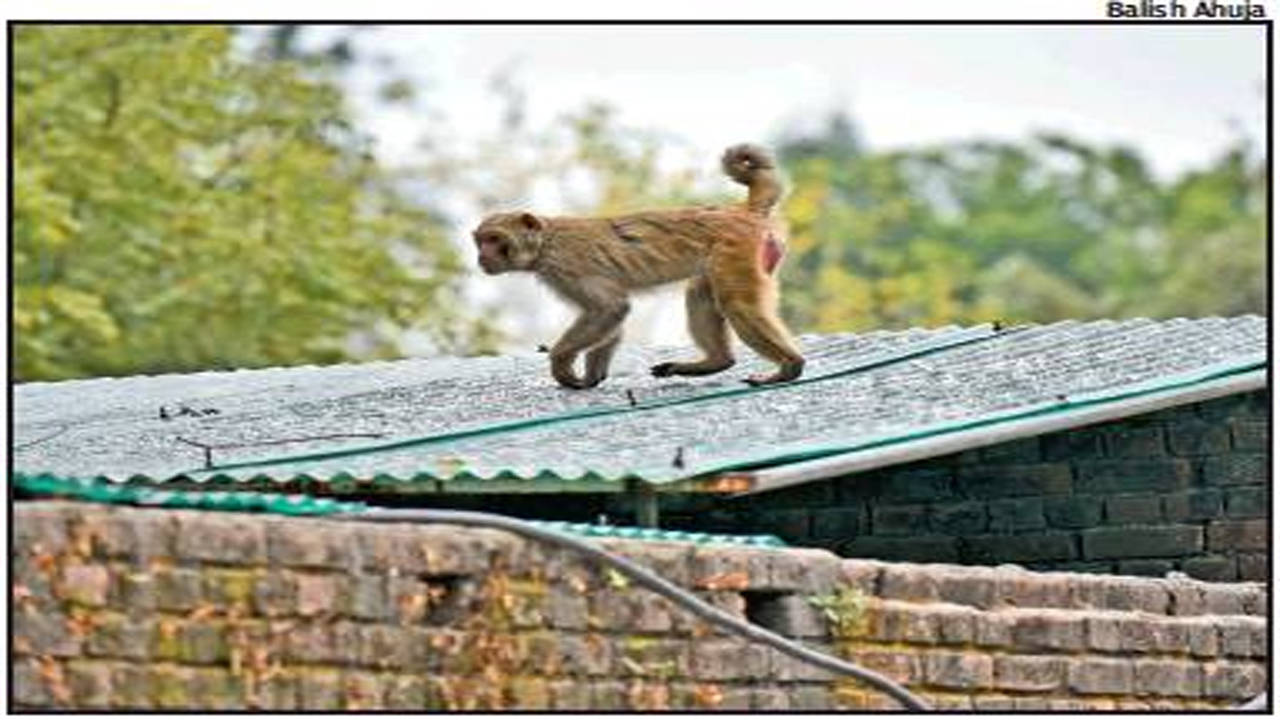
[(500, 422)]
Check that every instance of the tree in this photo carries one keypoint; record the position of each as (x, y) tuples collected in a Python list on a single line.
[(177, 208), (1036, 230)]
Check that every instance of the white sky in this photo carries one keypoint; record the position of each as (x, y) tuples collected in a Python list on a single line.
[(1173, 91)]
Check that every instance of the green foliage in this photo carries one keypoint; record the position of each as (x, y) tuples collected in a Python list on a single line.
[(845, 610), (1037, 231), (177, 208)]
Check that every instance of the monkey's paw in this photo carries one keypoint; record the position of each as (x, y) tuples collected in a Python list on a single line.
[(666, 369)]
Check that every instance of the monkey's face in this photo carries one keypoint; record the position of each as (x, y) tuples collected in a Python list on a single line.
[(508, 242)]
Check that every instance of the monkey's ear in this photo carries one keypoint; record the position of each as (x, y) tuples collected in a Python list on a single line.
[(531, 222)]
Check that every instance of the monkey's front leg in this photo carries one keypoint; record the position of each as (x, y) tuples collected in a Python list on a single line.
[(597, 330)]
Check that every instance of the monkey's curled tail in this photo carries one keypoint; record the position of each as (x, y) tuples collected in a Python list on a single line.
[(753, 166)]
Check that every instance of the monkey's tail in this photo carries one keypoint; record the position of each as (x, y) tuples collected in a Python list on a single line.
[(754, 167)]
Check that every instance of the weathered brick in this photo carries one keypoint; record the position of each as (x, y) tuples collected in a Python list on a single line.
[(1133, 509), (221, 537), (29, 688), (728, 660), (1071, 445), (1135, 441), (1145, 567), (1199, 504), (361, 690), (274, 594), (993, 630), (895, 621), (787, 669), (293, 542), (570, 695), (901, 667), (1118, 476), (1243, 636), (1223, 599), (769, 698), (790, 525), (566, 608), (1214, 568), (915, 484), (1237, 535), (1252, 566), (85, 584), (1020, 588), (1031, 480), (89, 683), (965, 671), (1235, 469), (803, 570), (955, 624), (992, 703), (1121, 593), (1192, 436), (1072, 511), (138, 536), (1014, 515), (924, 548), (45, 633), (899, 519), (863, 575), (131, 686), (1202, 636), (1166, 677), (840, 522), (964, 518), (217, 689), (902, 581), (1228, 406), (1142, 541), (172, 687), (1247, 434), (1032, 673), (972, 586), (1098, 676), (1247, 502), (1047, 545), (410, 693), (1048, 630), (1102, 632), (1240, 681), (1025, 451)]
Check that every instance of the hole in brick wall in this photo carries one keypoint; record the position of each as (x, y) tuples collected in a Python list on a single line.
[(766, 609), (448, 598)]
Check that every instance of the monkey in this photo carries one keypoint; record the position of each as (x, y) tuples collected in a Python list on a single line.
[(729, 256)]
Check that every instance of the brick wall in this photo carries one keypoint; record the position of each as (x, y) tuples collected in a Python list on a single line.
[(118, 607), (1182, 489)]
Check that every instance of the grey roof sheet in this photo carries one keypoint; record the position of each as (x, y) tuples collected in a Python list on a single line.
[(112, 427)]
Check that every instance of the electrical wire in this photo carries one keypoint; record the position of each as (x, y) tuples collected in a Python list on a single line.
[(648, 579)]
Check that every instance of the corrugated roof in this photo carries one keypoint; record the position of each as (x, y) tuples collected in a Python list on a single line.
[(432, 421)]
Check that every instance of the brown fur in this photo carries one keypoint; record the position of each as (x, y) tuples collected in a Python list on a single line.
[(728, 254)]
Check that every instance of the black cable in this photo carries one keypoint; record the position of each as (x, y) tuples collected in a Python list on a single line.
[(656, 583)]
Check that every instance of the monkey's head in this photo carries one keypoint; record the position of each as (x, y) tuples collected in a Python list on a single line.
[(507, 242)]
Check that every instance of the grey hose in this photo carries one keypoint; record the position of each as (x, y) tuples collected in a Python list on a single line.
[(653, 582)]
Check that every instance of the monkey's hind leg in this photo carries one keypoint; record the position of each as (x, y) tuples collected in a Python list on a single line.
[(598, 359), (748, 298), (709, 331)]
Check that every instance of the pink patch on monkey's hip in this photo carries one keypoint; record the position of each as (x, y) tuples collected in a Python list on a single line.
[(770, 253)]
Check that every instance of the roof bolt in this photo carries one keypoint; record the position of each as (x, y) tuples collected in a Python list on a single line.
[(631, 397), (679, 459)]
